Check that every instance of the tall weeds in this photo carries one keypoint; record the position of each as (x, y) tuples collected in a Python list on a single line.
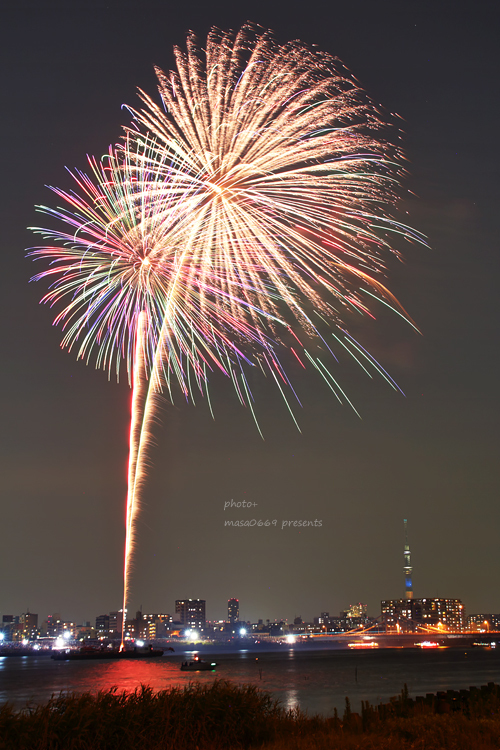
[(220, 715), (224, 716)]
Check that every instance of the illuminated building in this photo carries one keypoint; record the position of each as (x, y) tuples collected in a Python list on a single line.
[(157, 625), (115, 622), (29, 622), (55, 625), (136, 627), (233, 610), (102, 626), (434, 615), (24, 627), (191, 612), (484, 623), (84, 631), (357, 610), (322, 621)]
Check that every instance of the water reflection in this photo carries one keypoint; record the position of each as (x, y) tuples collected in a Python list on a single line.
[(291, 701), (316, 681)]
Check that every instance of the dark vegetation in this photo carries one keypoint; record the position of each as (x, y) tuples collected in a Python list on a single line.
[(223, 715)]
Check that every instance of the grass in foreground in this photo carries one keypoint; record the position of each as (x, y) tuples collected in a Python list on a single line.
[(219, 715), (226, 716)]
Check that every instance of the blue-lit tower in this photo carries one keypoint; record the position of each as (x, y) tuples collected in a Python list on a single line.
[(407, 567)]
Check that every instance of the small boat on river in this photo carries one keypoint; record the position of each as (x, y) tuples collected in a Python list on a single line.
[(198, 665)]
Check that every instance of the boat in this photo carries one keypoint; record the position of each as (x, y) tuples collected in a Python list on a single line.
[(69, 654), (198, 665)]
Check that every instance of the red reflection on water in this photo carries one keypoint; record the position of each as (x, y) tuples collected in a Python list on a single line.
[(129, 674)]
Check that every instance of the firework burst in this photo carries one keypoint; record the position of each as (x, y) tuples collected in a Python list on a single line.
[(250, 213), (294, 179)]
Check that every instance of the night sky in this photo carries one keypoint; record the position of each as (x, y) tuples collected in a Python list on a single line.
[(431, 457)]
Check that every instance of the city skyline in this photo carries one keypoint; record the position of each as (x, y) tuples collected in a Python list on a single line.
[(187, 610), (397, 616), (429, 457)]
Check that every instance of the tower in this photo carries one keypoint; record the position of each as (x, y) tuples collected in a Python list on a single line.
[(407, 566)]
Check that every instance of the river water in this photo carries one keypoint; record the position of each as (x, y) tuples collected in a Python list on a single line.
[(316, 681)]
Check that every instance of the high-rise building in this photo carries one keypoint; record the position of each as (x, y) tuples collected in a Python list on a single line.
[(407, 566), (424, 615), (191, 612), (233, 610)]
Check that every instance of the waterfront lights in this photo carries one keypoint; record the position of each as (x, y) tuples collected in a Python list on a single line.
[(243, 631), (290, 638), (139, 643)]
